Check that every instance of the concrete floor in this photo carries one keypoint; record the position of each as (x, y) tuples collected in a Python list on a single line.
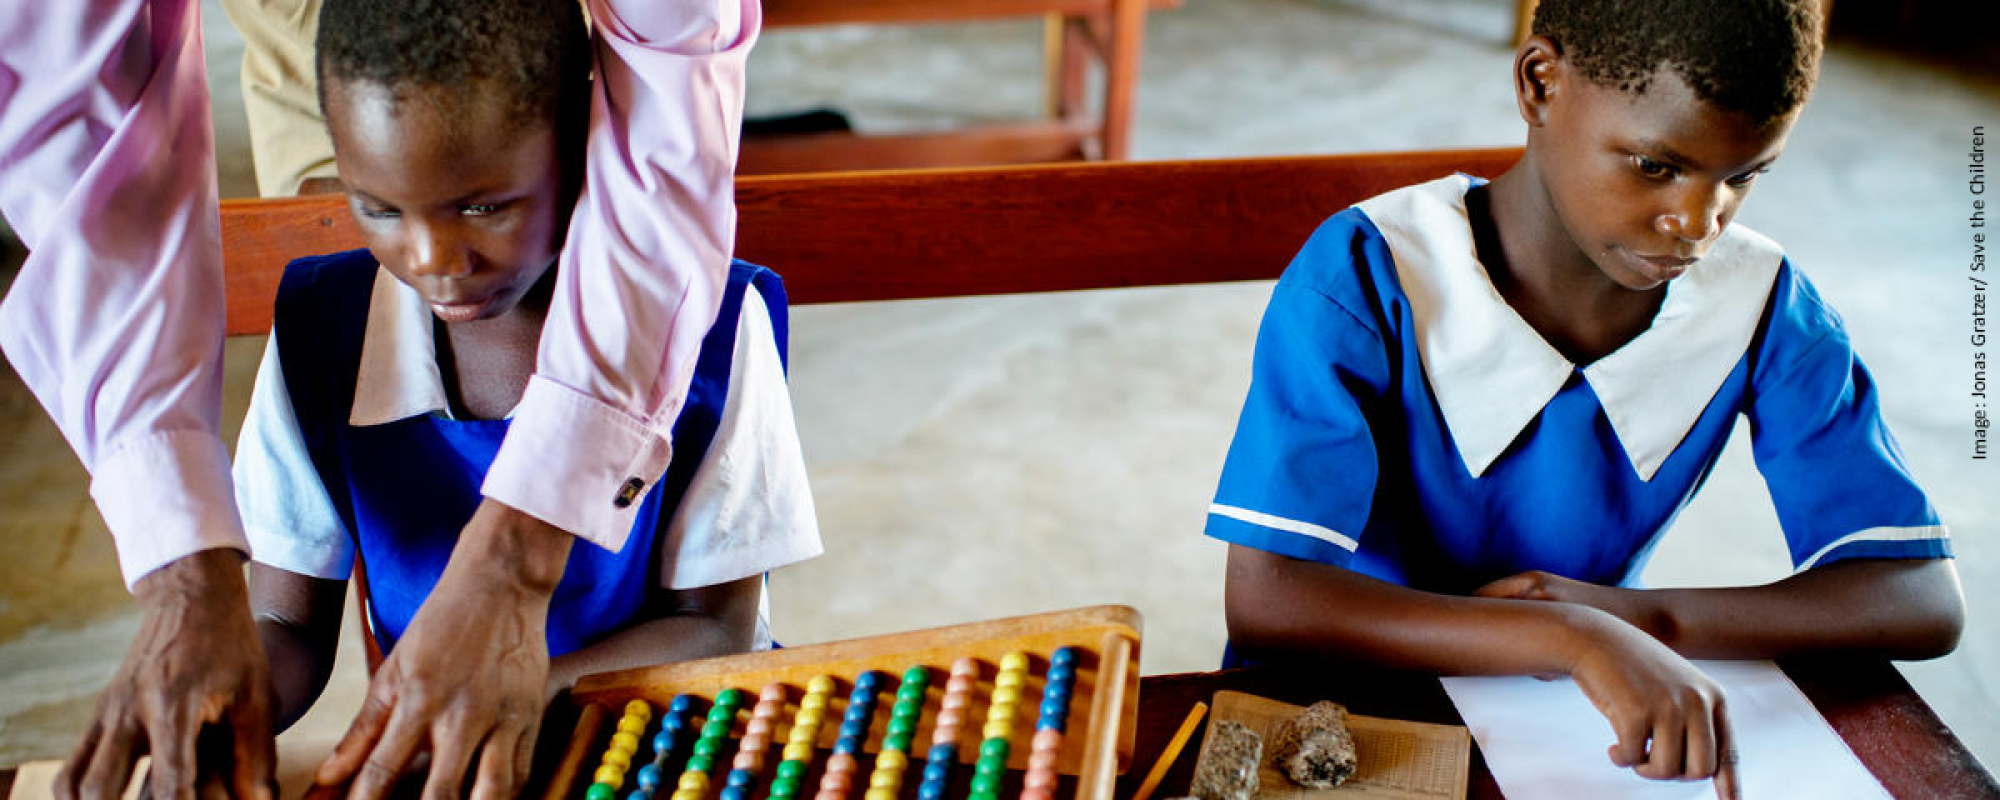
[(979, 458)]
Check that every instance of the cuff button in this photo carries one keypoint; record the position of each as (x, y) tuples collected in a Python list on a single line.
[(629, 492)]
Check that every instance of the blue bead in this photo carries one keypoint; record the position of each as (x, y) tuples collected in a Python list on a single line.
[(1064, 656), (937, 770), (870, 680), (848, 745), (663, 742), (931, 790), (741, 777), (681, 704), (649, 777), (639, 794), (1062, 673), (853, 727), (1054, 710), (735, 793)]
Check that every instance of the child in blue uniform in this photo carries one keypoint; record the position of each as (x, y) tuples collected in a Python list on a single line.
[(1475, 406), (382, 397)]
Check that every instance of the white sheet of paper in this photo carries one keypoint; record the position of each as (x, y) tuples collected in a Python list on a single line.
[(1545, 739)]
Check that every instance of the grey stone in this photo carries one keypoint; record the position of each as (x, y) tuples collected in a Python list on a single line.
[(1229, 763), (1314, 748)]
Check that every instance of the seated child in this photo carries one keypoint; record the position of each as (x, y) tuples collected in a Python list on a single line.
[(383, 395), (1475, 406)]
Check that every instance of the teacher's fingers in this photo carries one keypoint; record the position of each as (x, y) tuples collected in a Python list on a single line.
[(385, 761)]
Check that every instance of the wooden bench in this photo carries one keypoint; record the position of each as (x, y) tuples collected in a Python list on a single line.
[(1077, 33), (845, 237)]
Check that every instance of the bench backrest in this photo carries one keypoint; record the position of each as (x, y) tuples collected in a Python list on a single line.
[(843, 237)]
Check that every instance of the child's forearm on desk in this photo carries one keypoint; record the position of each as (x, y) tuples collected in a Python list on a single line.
[(1905, 609), (1282, 606), (711, 621)]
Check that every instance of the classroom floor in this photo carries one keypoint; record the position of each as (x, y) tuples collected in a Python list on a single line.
[(988, 457)]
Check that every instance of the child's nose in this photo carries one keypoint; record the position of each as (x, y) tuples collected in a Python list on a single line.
[(436, 253), (1697, 217)]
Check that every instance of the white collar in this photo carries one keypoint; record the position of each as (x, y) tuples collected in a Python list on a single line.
[(1492, 373), (399, 376)]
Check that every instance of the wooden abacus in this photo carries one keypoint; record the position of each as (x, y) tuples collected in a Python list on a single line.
[(1048, 694)]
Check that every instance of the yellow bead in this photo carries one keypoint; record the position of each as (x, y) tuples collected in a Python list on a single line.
[(631, 725), (799, 751), (892, 759), (809, 719), (618, 758), (1015, 662), (640, 709), (1010, 680), (1004, 711), (610, 775), (1007, 695), (813, 702), (880, 794), (820, 684), (997, 729), (694, 781), (626, 742), (686, 794)]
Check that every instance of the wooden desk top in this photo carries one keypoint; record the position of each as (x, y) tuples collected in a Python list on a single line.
[(1868, 703)]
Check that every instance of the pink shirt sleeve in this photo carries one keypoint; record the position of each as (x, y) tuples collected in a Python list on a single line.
[(642, 270), (107, 173)]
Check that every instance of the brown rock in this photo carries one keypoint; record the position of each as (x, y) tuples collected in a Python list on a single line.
[(1314, 748), (1229, 762)]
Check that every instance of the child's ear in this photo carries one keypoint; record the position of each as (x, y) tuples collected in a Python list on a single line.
[(1537, 73)]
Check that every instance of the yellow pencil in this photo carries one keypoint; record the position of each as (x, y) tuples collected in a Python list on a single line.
[(1172, 752)]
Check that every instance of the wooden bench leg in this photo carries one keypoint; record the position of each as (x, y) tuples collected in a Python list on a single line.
[(1121, 77)]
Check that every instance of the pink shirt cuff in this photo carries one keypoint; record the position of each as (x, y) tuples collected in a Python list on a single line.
[(577, 463), (167, 496)]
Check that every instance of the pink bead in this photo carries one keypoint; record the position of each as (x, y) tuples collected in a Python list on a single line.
[(1038, 794), (759, 727), (1048, 739), (965, 665), (1044, 779), (773, 693), (950, 718)]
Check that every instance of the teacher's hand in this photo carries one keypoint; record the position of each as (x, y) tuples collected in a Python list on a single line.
[(468, 680), (196, 673)]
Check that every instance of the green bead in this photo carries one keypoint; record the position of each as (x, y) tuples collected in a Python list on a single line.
[(985, 785), (989, 765), (993, 748), (707, 747), (601, 791), (908, 711), (731, 697), (784, 787), (791, 769), (699, 763), (715, 729), (898, 742)]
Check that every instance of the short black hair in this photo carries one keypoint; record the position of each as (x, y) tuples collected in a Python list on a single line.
[(533, 53), (1755, 57)]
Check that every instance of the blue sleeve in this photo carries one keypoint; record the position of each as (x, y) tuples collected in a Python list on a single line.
[(1836, 474), (1300, 476)]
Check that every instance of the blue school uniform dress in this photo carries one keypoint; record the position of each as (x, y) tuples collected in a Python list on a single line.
[(1406, 423), (350, 448)]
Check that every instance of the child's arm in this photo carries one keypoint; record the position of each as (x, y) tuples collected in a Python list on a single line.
[(1895, 608), (1274, 603), (681, 625), (298, 619)]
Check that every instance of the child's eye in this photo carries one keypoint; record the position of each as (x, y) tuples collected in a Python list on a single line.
[(1747, 178), (380, 213), (1651, 168), (479, 209)]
